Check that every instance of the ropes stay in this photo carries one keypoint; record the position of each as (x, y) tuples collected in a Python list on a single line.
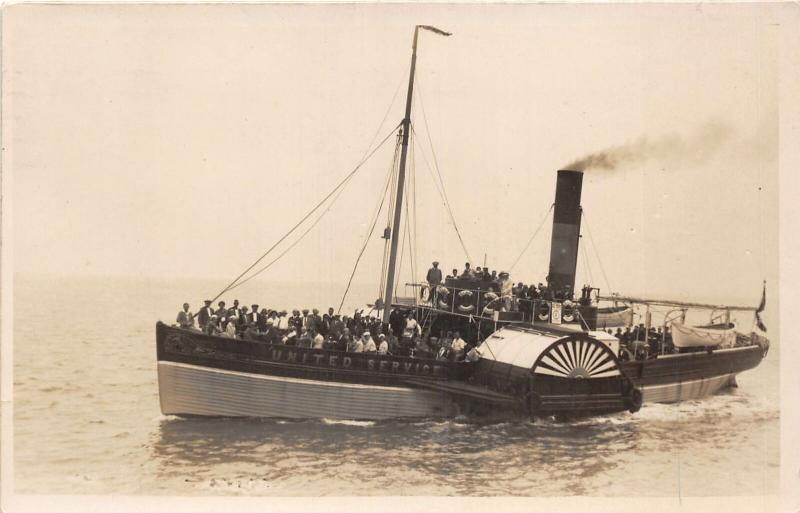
[(407, 231), (441, 190), (594, 248), (541, 223), (339, 186), (389, 181)]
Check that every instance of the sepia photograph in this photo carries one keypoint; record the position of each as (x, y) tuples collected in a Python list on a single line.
[(431, 252)]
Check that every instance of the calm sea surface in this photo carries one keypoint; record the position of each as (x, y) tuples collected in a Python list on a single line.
[(87, 421)]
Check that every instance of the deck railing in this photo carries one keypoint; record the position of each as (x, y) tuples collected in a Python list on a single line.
[(488, 303)]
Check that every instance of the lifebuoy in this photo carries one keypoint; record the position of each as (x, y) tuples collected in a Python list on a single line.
[(465, 301), (444, 297), (543, 311), (568, 311), (489, 300), (425, 293)]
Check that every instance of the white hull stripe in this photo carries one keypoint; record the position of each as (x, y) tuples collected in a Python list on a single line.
[(686, 390), (253, 375), (195, 390)]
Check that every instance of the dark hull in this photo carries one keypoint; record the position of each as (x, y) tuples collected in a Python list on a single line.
[(209, 375), (678, 377), (667, 378)]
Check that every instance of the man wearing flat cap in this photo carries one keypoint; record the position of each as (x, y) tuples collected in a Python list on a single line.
[(252, 317), (434, 278), (204, 314)]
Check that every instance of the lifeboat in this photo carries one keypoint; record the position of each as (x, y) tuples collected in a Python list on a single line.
[(722, 335), (614, 316)]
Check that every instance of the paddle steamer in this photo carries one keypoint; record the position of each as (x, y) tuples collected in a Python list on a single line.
[(536, 357)]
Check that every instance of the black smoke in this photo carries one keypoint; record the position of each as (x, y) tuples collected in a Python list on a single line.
[(673, 149)]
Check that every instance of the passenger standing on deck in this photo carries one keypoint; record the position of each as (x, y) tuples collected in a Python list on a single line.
[(243, 317), (369, 343), (434, 278), (272, 319), (455, 274), (315, 321), (212, 326), (262, 321), (446, 340), (421, 349), (396, 322), (412, 327), (327, 322), (506, 290), (343, 341), (383, 347), (337, 327), (204, 314), (468, 272), (317, 340), (185, 318), (295, 321), (233, 318), (221, 312), (253, 316), (283, 321), (358, 345), (234, 311), (230, 329), (304, 340), (457, 346)]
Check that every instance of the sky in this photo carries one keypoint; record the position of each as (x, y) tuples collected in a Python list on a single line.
[(183, 141)]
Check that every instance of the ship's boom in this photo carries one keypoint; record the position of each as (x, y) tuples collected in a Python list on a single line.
[(677, 304)]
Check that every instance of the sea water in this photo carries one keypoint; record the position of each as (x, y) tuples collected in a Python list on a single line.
[(87, 421)]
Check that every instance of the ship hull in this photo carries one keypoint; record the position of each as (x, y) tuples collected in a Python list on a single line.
[(683, 377), (207, 375), (687, 390), (187, 389)]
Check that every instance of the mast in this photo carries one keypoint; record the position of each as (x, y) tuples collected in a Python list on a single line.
[(401, 175)]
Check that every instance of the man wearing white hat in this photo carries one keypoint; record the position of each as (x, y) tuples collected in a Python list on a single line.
[(369, 344), (230, 329), (383, 348)]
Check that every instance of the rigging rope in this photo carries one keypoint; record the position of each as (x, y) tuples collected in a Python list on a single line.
[(309, 214), (392, 180), (597, 253), (369, 234), (443, 197), (541, 223), (411, 222), (436, 166), (386, 114), (293, 244), (404, 235), (587, 267), (411, 212)]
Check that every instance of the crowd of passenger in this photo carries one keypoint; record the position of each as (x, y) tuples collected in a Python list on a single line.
[(639, 342), (523, 294), (359, 333)]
